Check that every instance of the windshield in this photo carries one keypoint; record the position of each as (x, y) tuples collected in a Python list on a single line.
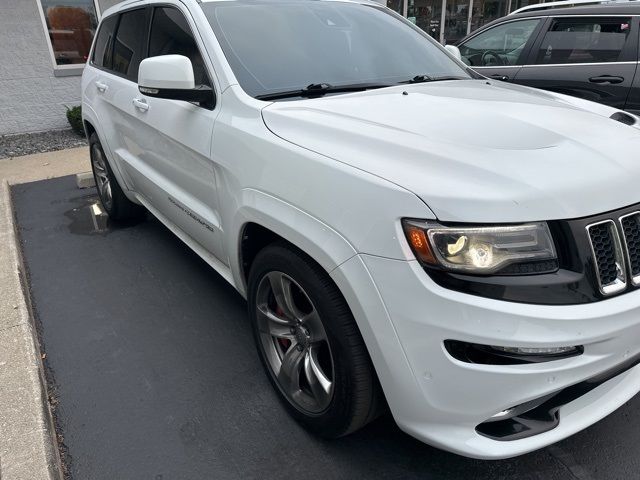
[(280, 46)]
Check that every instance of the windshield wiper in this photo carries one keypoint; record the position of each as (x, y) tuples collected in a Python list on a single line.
[(429, 78), (320, 89)]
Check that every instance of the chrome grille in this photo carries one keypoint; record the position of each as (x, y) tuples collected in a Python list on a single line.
[(631, 229), (608, 256)]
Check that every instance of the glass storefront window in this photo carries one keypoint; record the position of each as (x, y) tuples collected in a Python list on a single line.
[(396, 5), (516, 4), (426, 14), (456, 20), (485, 11), (71, 25)]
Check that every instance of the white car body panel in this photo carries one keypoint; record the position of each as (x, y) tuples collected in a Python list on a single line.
[(447, 405), (441, 138), (336, 175), (317, 188)]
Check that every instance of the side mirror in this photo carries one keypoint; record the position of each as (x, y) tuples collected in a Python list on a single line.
[(453, 50), (171, 76)]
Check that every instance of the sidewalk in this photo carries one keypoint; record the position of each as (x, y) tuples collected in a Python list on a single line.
[(28, 449), (41, 166)]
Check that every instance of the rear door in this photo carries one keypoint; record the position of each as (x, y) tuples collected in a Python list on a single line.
[(128, 50), (498, 52), (590, 57), (98, 88)]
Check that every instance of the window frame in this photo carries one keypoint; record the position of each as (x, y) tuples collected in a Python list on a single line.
[(145, 44), (71, 69), (205, 58), (109, 45), (118, 14), (195, 33), (628, 54), (149, 19), (529, 45)]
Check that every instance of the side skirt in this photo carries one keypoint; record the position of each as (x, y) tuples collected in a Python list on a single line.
[(217, 265)]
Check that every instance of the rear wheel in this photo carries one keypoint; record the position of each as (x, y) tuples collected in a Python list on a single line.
[(309, 343), (113, 199)]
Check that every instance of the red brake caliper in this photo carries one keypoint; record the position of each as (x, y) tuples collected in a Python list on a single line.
[(285, 343)]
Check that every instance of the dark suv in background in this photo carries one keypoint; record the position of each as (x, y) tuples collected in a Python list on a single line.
[(588, 52)]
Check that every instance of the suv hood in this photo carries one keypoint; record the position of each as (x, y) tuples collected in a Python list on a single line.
[(474, 151)]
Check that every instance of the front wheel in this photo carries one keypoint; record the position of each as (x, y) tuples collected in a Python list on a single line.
[(310, 344)]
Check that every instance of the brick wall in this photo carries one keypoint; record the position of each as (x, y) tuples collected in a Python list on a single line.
[(32, 99)]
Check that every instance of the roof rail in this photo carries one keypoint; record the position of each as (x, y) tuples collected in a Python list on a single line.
[(562, 3)]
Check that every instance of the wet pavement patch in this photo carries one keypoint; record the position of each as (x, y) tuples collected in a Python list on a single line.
[(154, 371), (87, 217)]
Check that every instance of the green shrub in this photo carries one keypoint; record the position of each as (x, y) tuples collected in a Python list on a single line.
[(74, 115)]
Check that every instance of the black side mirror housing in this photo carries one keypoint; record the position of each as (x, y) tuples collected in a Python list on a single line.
[(203, 95)]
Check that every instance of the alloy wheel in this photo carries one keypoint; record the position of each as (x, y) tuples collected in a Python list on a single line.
[(102, 176), (295, 342)]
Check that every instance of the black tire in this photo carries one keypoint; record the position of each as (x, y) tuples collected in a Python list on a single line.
[(115, 203), (356, 394)]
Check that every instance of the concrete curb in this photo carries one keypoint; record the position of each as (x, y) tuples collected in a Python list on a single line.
[(28, 447), (85, 180)]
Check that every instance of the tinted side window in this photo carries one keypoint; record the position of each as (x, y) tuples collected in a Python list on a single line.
[(588, 40), (171, 35), (102, 50), (500, 45), (129, 44)]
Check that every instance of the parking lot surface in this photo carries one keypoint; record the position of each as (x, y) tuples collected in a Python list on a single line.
[(153, 367)]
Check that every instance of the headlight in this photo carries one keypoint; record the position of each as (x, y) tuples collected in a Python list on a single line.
[(482, 250)]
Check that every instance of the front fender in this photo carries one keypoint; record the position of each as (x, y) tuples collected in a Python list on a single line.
[(317, 239)]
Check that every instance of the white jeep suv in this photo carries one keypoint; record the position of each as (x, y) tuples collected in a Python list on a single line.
[(406, 232)]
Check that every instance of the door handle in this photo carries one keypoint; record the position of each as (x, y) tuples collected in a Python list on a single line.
[(606, 79), (140, 104), (497, 76), (102, 87)]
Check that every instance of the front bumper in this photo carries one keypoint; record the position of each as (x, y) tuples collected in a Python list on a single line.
[(405, 318)]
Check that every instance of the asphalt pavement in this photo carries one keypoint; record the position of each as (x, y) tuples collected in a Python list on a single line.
[(154, 372)]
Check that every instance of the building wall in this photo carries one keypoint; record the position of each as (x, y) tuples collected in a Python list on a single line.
[(32, 99)]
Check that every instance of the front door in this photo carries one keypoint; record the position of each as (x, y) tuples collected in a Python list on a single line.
[(593, 58), (178, 177)]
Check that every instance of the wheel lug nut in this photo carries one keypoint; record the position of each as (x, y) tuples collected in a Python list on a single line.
[(300, 347), (292, 330)]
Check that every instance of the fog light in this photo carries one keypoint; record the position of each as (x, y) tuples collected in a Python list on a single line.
[(535, 351), (495, 355)]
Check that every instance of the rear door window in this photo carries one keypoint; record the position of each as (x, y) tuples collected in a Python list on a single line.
[(584, 40), (129, 44), (102, 50)]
